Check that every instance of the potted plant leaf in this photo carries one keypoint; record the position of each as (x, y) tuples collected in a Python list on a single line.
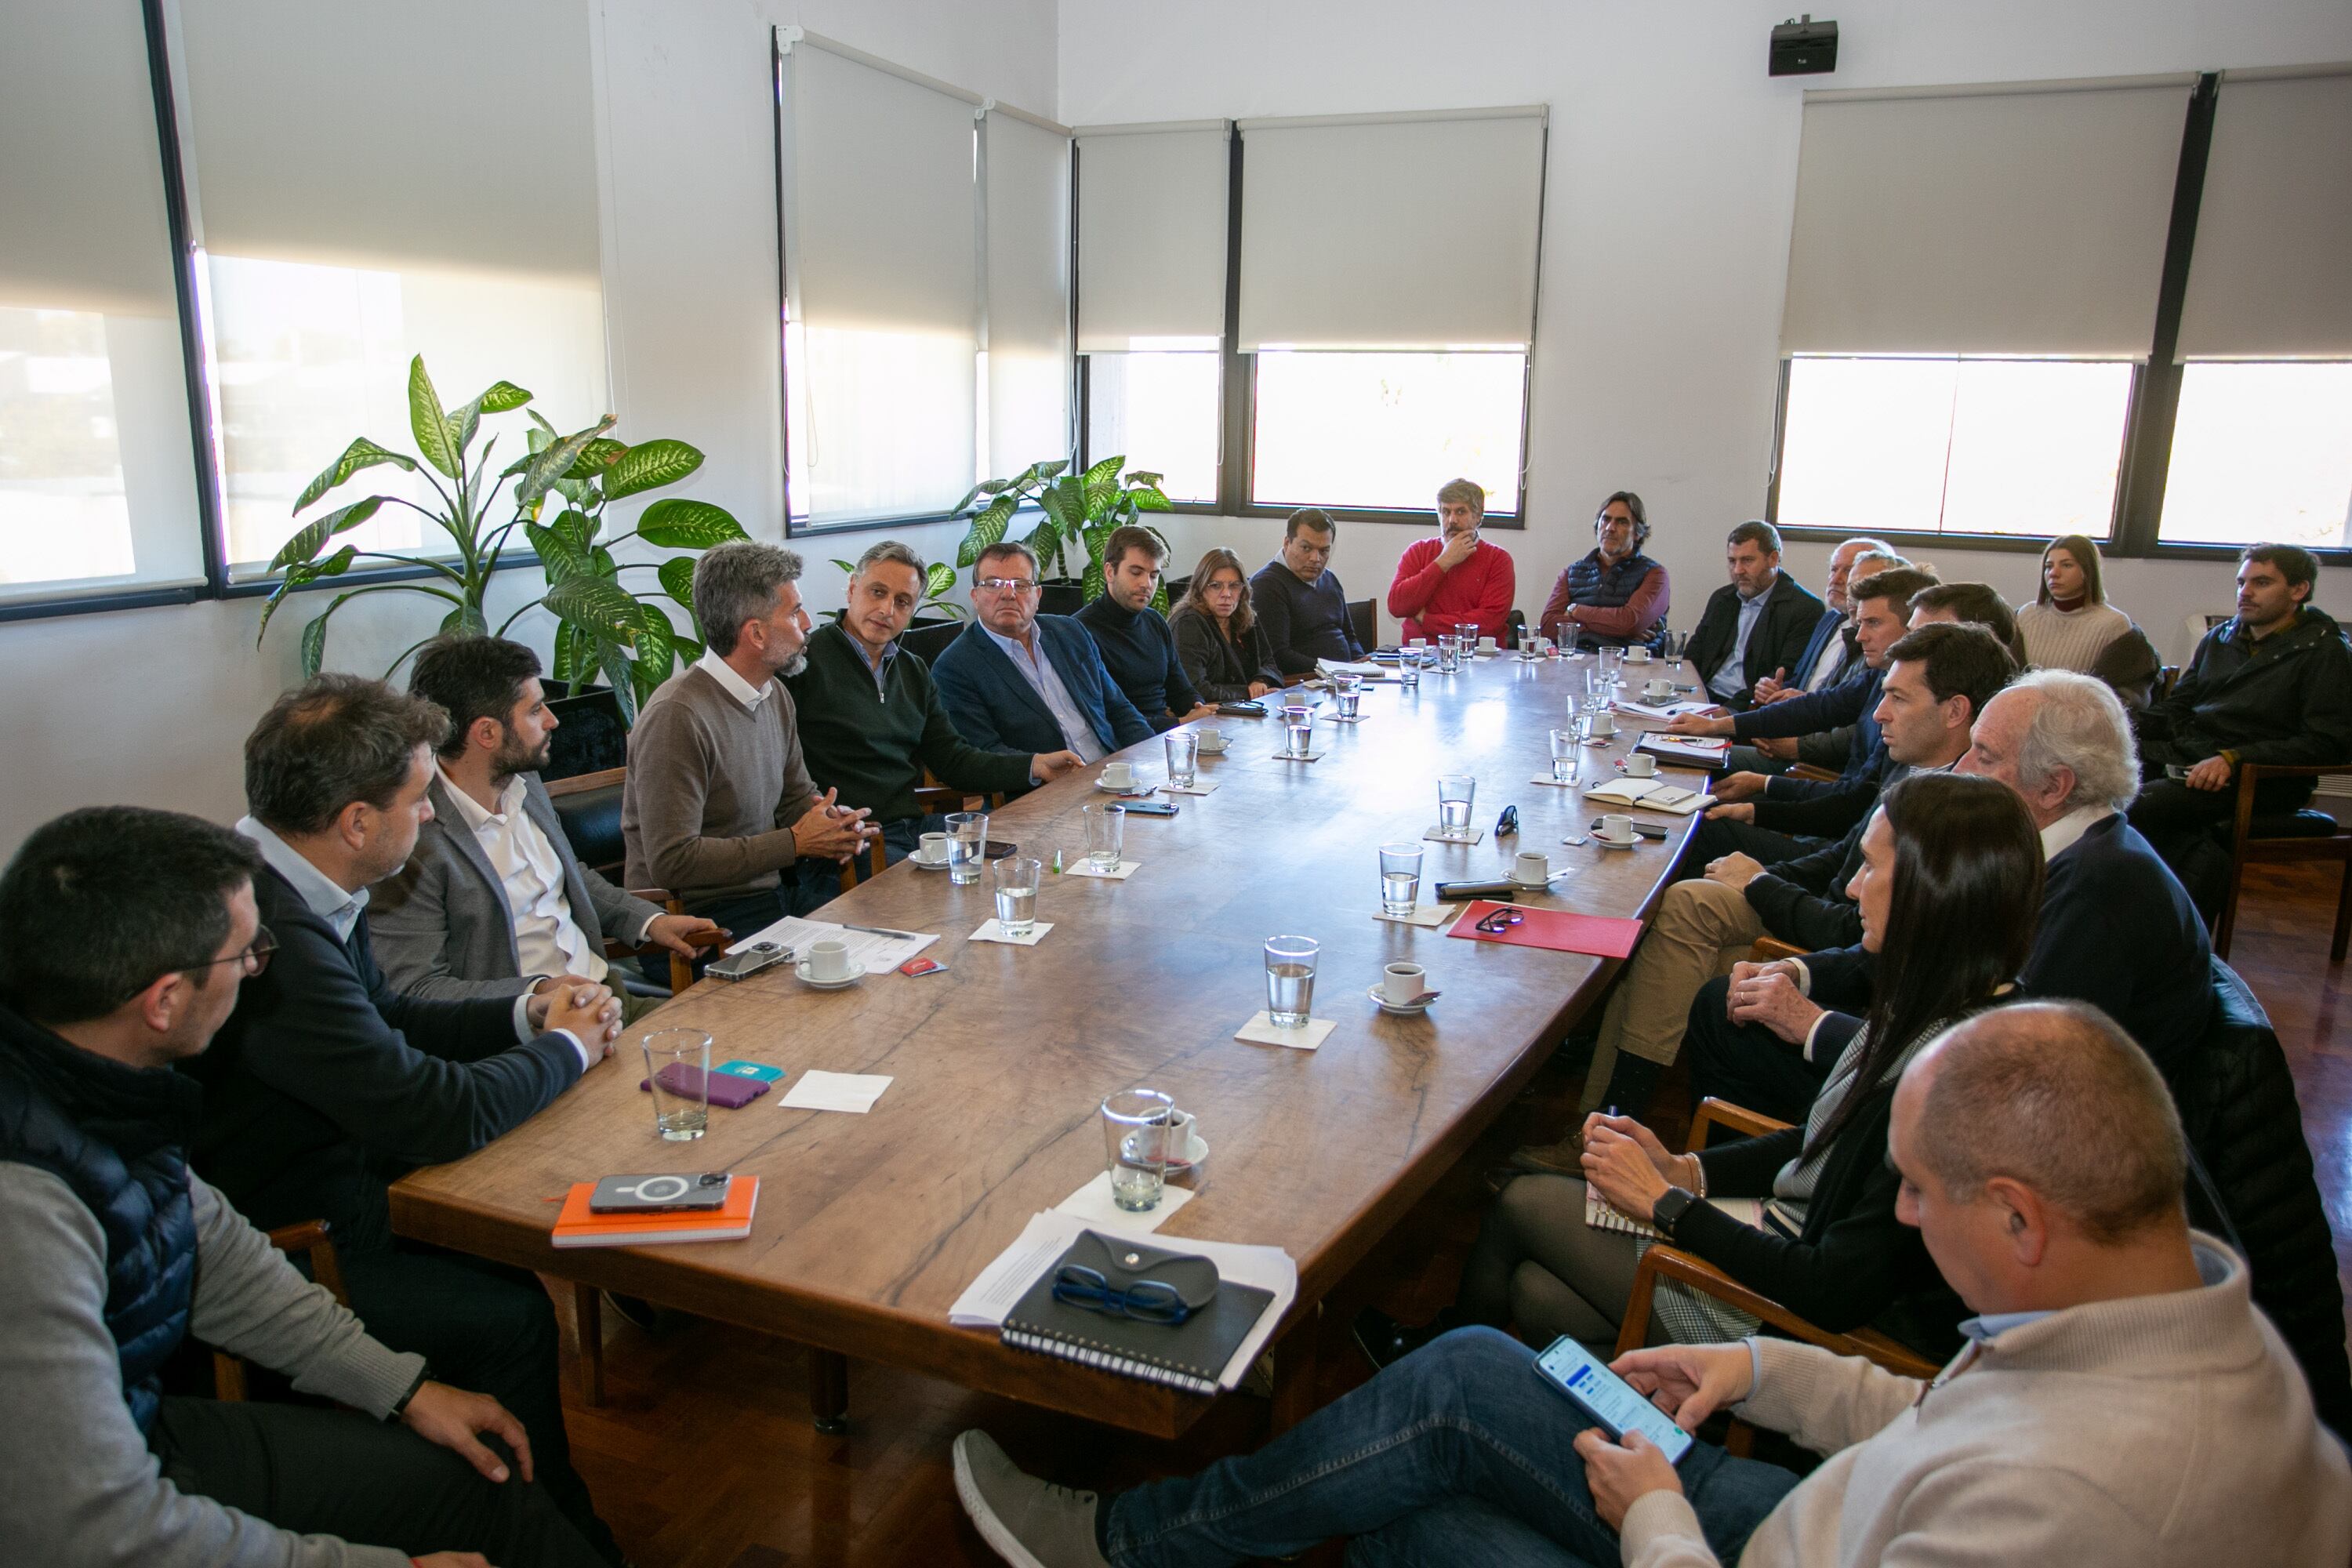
[(1080, 512)]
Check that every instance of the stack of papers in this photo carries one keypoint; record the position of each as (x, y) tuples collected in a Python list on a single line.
[(1705, 750), (1649, 795), (874, 952), (1661, 710), (1364, 668)]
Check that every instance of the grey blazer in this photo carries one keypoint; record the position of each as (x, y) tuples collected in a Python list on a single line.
[(442, 927)]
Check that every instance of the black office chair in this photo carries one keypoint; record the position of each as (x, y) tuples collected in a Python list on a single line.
[(1364, 620), (928, 642)]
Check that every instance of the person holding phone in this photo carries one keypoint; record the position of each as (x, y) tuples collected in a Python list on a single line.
[(2118, 1402), (1455, 581)]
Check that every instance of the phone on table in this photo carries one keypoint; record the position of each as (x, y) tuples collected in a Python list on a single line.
[(1242, 709), (747, 961), (661, 1194), (1608, 1399), (1151, 808)]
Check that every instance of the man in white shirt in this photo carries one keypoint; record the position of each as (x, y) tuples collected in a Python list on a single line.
[(494, 902)]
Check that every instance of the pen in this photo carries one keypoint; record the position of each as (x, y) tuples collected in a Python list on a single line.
[(881, 930)]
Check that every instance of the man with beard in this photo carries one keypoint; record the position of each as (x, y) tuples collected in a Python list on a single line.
[(494, 902)]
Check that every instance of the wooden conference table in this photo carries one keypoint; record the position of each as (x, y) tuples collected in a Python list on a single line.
[(869, 1225)]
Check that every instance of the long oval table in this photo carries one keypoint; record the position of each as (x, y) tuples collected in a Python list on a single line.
[(869, 1225)]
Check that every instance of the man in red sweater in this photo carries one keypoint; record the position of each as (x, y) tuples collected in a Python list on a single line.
[(1455, 581)]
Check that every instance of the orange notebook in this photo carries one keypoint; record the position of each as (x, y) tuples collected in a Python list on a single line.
[(576, 1227)]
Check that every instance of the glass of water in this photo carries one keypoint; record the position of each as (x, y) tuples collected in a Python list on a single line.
[(1449, 655), (1297, 729), (1017, 894), (1139, 1126), (1408, 671), (1183, 757), (1349, 691), (1106, 827), (967, 846), (1456, 793), (677, 1066), (1567, 752), (1613, 665), (1290, 979), (1399, 878)]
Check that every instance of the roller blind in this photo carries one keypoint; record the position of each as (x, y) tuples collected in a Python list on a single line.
[(2025, 220), (2271, 274), (97, 489), (882, 278), (1151, 236), (1405, 231), (1026, 169)]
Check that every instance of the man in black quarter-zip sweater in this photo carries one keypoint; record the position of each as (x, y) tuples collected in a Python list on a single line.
[(871, 721)]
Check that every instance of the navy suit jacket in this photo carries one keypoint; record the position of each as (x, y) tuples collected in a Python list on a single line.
[(1824, 644), (2118, 930), (993, 706)]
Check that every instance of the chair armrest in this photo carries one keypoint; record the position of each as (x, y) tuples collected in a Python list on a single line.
[(311, 1235), (1810, 772), (1713, 1113), (1768, 949), (2242, 827), (580, 783), (1668, 1263)]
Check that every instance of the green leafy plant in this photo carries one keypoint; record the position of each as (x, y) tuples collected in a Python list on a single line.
[(1080, 510), (603, 625), (937, 582)]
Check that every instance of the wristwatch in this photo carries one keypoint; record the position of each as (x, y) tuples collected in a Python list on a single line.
[(423, 1376), (1672, 1204)]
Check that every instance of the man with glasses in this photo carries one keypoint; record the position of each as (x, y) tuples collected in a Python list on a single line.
[(1019, 681), (1455, 584), (1616, 597), (124, 936), (1300, 603), (1133, 638)]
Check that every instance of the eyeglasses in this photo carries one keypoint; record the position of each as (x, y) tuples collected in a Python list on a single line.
[(1146, 1301), (1005, 585), (1501, 920), (255, 956)]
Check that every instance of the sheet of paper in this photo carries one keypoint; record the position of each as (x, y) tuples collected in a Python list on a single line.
[(1261, 1031), (875, 954), (1455, 834), (988, 1299), (1093, 1204), (1287, 757), (1198, 786), (1118, 873), (991, 931), (1661, 710), (851, 1092), (1425, 915), (1366, 668)]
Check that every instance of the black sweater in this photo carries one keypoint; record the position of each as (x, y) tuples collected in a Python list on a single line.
[(1139, 651), (1220, 667), (2287, 699), (315, 1095), (1303, 621), (1802, 900), (873, 745)]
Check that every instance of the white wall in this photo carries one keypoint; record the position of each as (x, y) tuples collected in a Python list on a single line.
[(150, 706), (1671, 182)]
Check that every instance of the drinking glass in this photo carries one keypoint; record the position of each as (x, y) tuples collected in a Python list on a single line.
[(1290, 979), (1596, 686), (1416, 650), (1408, 671), (1613, 665), (967, 846), (1455, 792), (1183, 757), (1449, 655), (1106, 826), (1138, 1128), (1297, 729), (1566, 751), (677, 1066), (1017, 894), (1349, 691), (1399, 878)]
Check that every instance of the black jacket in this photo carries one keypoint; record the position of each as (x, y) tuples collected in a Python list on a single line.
[(2287, 699), (1790, 613), (2117, 930), (315, 1095), (1803, 901), (1220, 667)]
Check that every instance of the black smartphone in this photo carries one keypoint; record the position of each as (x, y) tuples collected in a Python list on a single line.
[(1242, 709), (1151, 808)]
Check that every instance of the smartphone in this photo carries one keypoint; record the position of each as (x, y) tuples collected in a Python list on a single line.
[(2175, 771), (1607, 1398), (661, 1194), (749, 961), (1242, 709), (1151, 808)]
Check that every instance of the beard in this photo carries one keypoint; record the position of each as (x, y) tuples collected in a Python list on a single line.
[(514, 758)]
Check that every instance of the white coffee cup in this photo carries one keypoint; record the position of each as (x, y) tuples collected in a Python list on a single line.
[(828, 961), (1531, 867), (1637, 656), (932, 849), (1641, 765), (1659, 690), (1400, 982), (1211, 738), (1604, 724), (1486, 644), (1617, 829), (1185, 1127), (1119, 776)]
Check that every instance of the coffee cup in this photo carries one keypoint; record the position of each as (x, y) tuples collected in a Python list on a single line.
[(1400, 982), (932, 849), (1119, 776), (1617, 829), (1637, 656), (1486, 644), (1659, 690), (1641, 765), (1604, 723), (1211, 738), (828, 961), (1531, 867), (1182, 1129)]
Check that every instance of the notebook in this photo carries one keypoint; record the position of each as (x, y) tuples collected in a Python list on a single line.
[(1600, 936), (578, 1227), (1602, 1215), (1649, 795), (1189, 1355)]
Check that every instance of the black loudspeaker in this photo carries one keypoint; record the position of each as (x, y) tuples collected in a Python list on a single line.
[(1804, 48)]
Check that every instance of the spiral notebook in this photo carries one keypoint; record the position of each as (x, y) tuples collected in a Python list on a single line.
[(1189, 1355), (1602, 1215)]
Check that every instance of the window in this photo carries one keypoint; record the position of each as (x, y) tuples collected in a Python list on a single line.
[(1160, 411), (1947, 444), (1372, 429), (2261, 452)]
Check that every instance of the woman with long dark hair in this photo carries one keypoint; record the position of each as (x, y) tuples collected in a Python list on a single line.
[(1950, 888), (1218, 642)]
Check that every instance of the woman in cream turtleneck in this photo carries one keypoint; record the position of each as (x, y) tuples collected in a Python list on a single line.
[(2070, 623)]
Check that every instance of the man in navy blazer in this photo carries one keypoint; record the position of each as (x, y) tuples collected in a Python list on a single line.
[(1019, 681)]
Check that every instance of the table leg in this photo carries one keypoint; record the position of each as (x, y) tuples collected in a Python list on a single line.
[(1295, 1358), (588, 1317), (829, 1390)]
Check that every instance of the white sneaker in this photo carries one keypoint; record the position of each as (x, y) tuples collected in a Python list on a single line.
[(1031, 1523)]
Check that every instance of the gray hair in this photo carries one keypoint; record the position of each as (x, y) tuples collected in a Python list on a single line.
[(1870, 544), (1887, 558), (737, 582), (1002, 548), (891, 550), (2079, 725)]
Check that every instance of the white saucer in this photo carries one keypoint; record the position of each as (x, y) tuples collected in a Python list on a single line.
[(939, 865), (802, 970), (1130, 792), (1195, 1151), (1528, 887), (1390, 1007), (1608, 843), (1214, 751)]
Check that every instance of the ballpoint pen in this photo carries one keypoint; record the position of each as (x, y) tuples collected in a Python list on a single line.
[(881, 930)]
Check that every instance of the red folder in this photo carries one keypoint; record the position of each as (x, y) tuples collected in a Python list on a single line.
[(1557, 929)]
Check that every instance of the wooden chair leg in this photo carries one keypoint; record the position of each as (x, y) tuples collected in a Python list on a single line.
[(228, 1378), (829, 1390), (588, 1316), (2343, 914)]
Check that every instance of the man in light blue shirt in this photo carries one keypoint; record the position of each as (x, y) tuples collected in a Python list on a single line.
[(1019, 681), (1726, 683)]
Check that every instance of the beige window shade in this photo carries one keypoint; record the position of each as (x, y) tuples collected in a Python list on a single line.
[(1026, 168), (1406, 231), (2271, 274), (2025, 220), (1151, 236)]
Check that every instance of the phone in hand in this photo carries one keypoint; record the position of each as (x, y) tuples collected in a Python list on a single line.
[(1607, 1399)]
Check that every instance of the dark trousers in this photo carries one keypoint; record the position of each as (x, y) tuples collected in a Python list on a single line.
[(487, 1327), (1717, 838), (332, 1472), (1747, 1063), (2179, 823)]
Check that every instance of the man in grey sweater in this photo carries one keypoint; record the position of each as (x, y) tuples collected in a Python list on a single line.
[(2118, 1402), (123, 936)]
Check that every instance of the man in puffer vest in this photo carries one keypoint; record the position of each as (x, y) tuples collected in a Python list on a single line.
[(124, 934)]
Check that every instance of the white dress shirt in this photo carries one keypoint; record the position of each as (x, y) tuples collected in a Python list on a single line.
[(742, 691), (1039, 671), (549, 938)]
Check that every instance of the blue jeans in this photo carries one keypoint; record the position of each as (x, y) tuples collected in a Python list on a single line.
[(1460, 1453)]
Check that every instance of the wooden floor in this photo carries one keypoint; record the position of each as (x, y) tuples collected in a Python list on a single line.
[(703, 1455)]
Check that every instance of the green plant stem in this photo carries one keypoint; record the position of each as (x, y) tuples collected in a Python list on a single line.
[(412, 647), (427, 562)]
